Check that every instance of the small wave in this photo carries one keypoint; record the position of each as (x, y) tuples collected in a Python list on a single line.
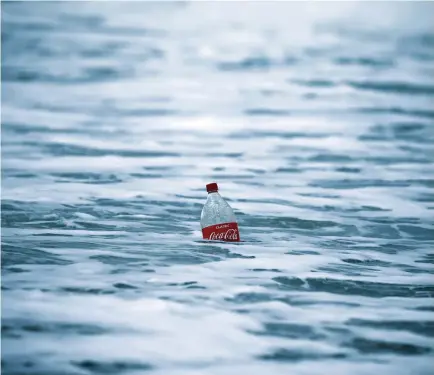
[(394, 87), (353, 287)]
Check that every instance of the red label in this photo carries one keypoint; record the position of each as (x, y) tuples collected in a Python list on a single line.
[(222, 232)]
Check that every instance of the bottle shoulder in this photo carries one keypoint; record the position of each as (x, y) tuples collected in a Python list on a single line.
[(216, 211)]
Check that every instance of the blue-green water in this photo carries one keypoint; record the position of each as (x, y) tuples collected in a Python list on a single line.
[(316, 120)]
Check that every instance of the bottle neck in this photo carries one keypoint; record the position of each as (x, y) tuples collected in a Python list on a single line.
[(213, 195)]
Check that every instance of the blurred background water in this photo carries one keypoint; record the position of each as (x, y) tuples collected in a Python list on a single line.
[(316, 120)]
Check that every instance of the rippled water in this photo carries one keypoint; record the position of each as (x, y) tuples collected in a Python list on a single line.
[(316, 120)]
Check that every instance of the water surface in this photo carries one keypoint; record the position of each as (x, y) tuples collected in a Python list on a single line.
[(317, 122)]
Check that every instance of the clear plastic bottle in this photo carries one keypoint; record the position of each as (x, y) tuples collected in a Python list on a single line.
[(218, 220)]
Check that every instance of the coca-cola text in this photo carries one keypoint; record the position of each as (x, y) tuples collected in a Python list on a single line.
[(222, 232)]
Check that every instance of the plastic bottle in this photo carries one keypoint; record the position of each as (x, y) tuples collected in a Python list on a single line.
[(218, 220)]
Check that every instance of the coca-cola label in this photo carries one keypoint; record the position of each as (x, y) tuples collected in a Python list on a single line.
[(222, 232)]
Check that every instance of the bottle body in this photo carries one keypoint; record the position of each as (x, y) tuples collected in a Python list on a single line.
[(218, 220)]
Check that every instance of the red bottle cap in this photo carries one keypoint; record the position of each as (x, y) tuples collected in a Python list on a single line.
[(212, 187)]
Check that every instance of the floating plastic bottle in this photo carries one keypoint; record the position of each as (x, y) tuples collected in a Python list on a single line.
[(218, 220)]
